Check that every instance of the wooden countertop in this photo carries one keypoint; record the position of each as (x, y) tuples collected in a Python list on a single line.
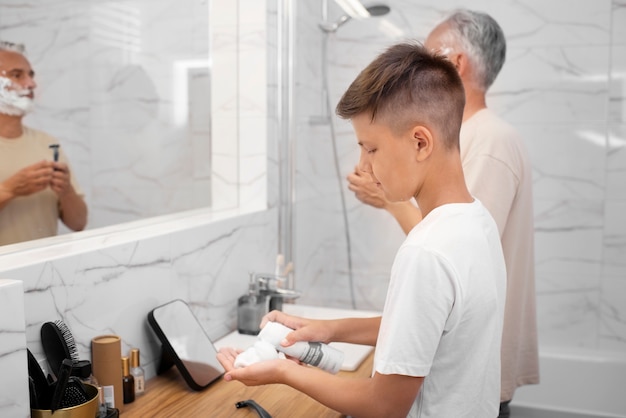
[(168, 395)]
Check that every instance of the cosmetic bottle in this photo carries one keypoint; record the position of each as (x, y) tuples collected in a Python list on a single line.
[(314, 353), (128, 382), (137, 372), (250, 309), (106, 352)]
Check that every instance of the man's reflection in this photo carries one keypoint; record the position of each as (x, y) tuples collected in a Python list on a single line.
[(36, 186)]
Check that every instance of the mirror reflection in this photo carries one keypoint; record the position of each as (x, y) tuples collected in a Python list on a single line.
[(125, 89)]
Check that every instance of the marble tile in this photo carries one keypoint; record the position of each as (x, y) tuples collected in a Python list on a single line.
[(617, 93), (618, 24), (612, 327), (539, 23), (553, 151), (552, 85), (14, 399), (614, 244), (616, 162)]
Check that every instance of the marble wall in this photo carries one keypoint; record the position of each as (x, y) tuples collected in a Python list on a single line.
[(14, 377), (563, 87)]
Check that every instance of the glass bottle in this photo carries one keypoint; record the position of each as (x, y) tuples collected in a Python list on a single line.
[(137, 372), (128, 382)]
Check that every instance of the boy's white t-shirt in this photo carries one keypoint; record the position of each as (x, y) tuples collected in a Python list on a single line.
[(443, 313)]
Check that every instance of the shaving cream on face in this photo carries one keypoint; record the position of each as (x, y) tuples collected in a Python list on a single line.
[(13, 100)]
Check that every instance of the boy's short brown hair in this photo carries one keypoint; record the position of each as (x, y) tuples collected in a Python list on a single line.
[(406, 86)]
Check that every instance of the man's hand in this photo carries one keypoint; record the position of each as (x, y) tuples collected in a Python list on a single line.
[(60, 182), (366, 190), (72, 207), (28, 180)]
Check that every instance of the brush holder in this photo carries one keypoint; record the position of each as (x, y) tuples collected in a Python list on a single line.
[(88, 409)]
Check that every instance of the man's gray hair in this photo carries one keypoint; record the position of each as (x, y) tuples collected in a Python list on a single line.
[(482, 39), (10, 46)]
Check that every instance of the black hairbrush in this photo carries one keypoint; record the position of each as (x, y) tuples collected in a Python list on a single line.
[(58, 344), (61, 385)]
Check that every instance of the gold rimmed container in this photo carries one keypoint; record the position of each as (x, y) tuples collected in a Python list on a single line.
[(88, 409)]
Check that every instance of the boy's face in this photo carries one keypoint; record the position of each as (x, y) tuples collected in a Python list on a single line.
[(390, 159)]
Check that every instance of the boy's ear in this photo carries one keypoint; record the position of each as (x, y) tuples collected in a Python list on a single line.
[(422, 141)]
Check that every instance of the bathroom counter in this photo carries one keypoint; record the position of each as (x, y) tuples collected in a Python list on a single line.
[(168, 395)]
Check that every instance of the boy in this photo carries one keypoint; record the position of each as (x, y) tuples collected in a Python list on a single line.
[(438, 340)]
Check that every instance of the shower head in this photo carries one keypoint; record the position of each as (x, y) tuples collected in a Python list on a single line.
[(373, 10)]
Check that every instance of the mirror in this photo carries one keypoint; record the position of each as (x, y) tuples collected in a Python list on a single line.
[(147, 98), (185, 344)]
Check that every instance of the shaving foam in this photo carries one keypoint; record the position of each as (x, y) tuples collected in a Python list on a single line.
[(14, 100)]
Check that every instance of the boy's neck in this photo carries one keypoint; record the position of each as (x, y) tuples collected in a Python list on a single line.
[(439, 190)]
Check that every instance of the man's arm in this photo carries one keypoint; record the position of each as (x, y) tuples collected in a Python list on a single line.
[(406, 213), (72, 207)]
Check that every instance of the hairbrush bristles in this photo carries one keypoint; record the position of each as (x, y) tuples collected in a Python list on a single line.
[(69, 339), (58, 344)]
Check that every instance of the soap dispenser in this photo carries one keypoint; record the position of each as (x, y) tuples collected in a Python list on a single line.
[(251, 308)]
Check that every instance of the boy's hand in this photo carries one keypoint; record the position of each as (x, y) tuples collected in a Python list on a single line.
[(366, 190), (226, 356), (304, 329), (262, 373)]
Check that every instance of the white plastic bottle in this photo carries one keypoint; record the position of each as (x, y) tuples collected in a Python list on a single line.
[(314, 353)]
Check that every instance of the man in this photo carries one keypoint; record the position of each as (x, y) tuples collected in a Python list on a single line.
[(498, 173), (35, 189), (438, 340)]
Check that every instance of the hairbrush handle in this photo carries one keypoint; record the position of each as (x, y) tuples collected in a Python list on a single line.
[(61, 384)]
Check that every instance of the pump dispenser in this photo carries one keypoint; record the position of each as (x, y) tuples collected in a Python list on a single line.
[(251, 308), (266, 292)]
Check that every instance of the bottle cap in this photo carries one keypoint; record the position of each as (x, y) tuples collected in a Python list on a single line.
[(125, 366), (134, 358)]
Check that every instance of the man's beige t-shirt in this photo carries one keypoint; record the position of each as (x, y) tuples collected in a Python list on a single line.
[(35, 216), (497, 171)]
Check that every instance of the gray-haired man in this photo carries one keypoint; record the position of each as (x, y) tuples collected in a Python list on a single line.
[(36, 187), (498, 173)]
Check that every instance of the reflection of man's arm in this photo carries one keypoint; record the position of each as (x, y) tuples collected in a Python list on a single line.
[(72, 207), (29, 180), (364, 188)]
